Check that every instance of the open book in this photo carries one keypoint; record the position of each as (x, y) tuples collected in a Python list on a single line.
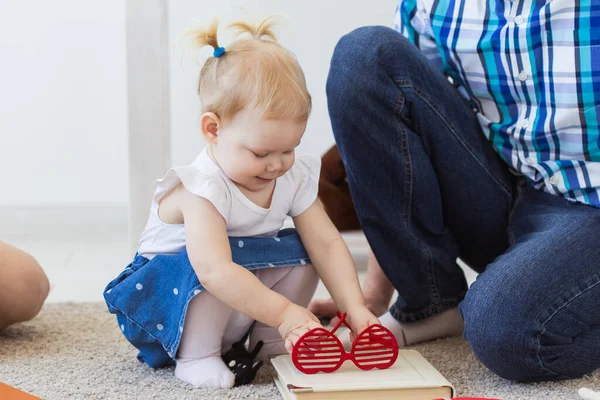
[(411, 377)]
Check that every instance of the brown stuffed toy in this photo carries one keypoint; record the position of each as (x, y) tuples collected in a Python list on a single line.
[(334, 192)]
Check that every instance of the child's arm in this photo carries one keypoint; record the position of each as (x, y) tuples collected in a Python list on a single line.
[(210, 255), (333, 262)]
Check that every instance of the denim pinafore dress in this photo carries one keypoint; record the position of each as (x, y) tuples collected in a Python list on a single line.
[(151, 295)]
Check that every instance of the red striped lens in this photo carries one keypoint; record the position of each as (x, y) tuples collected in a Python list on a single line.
[(375, 347), (318, 351)]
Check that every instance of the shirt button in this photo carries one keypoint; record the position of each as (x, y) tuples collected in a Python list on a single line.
[(554, 179), (519, 19), (525, 123), (523, 76)]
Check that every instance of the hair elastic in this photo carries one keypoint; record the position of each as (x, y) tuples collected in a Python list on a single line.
[(218, 52)]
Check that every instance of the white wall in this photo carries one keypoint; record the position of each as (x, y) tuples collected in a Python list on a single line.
[(63, 109), (63, 102), (311, 32)]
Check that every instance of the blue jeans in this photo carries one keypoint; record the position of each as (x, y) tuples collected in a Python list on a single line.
[(428, 187)]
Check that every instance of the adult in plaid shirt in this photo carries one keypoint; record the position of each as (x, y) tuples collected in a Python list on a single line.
[(472, 130)]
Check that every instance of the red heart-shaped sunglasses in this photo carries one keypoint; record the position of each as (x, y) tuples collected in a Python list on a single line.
[(319, 350)]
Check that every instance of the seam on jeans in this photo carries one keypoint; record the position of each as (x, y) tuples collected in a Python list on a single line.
[(539, 335), (433, 309), (435, 295), (408, 184), (404, 83), (405, 158), (517, 199)]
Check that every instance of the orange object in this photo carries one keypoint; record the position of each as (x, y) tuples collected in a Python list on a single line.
[(9, 392)]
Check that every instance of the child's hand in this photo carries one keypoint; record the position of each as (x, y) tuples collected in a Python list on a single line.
[(296, 322), (359, 319)]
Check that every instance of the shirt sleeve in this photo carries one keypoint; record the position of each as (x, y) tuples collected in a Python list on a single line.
[(209, 187), (306, 172), (412, 21)]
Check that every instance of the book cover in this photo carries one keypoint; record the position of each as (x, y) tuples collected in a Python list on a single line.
[(411, 372)]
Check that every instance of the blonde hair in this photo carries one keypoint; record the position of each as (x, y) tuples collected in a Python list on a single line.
[(255, 72)]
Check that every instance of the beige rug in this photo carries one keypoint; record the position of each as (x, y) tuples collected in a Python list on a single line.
[(76, 351)]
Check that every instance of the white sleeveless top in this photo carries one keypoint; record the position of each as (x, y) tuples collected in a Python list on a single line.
[(294, 193)]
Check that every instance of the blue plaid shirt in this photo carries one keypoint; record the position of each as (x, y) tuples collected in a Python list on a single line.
[(531, 70)]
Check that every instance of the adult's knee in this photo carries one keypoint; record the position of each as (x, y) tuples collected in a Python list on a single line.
[(358, 53), (357, 57), (367, 67), (499, 342), (508, 337)]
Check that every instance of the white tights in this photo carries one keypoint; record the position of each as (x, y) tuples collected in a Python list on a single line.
[(211, 327)]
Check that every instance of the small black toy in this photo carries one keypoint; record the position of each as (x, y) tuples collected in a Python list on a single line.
[(241, 361)]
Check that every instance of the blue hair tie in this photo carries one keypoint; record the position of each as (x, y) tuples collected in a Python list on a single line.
[(219, 52)]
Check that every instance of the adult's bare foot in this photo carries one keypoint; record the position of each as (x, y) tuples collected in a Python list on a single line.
[(325, 309), (377, 291)]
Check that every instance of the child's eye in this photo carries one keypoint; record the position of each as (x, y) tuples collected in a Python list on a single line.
[(288, 152), (261, 155)]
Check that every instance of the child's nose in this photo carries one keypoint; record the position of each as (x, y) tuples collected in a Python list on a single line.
[(274, 165)]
